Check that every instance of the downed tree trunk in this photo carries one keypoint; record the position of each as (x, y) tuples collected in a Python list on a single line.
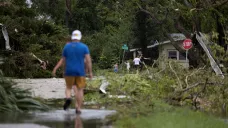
[(201, 39)]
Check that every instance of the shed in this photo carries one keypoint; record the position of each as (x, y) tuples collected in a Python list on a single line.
[(167, 50)]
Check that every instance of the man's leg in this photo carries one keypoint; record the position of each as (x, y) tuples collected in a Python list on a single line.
[(69, 83), (79, 93), (79, 96), (68, 92), (141, 66), (75, 95)]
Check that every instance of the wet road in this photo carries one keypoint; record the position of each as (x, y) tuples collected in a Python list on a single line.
[(89, 118)]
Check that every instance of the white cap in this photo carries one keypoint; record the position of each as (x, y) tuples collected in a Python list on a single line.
[(76, 35)]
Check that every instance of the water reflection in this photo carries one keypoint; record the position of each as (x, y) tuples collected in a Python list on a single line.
[(68, 123), (58, 118), (78, 122)]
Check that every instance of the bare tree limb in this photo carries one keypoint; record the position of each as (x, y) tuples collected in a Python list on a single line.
[(193, 86), (180, 28), (155, 61), (173, 42), (197, 84), (195, 98), (193, 73), (178, 79), (68, 6)]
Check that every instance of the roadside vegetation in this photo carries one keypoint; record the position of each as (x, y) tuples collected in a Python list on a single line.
[(14, 99), (172, 93), (165, 116)]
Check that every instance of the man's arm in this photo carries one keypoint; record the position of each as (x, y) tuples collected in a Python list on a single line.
[(89, 65), (61, 61)]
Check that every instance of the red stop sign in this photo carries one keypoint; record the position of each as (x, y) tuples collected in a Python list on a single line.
[(187, 44)]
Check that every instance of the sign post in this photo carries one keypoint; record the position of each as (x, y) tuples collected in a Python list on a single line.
[(187, 44), (124, 47)]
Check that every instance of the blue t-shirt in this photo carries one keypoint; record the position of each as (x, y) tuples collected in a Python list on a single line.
[(74, 53)]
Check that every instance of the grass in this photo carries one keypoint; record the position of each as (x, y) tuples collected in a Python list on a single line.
[(165, 116)]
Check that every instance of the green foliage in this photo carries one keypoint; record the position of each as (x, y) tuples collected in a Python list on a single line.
[(30, 32), (23, 65), (199, 88), (172, 118), (13, 98), (53, 8), (105, 25), (177, 86)]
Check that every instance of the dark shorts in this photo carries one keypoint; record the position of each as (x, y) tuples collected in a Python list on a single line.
[(136, 66)]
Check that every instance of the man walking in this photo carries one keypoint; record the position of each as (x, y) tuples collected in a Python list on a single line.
[(137, 63), (76, 56)]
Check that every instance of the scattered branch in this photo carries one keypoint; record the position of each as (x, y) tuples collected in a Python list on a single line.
[(193, 86), (195, 98), (160, 71), (193, 73), (155, 61), (178, 79), (197, 84)]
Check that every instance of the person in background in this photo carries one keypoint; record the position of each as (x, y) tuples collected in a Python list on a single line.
[(116, 68), (128, 66), (136, 63), (142, 61), (75, 55)]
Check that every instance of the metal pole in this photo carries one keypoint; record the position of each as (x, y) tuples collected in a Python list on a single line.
[(123, 59), (186, 56)]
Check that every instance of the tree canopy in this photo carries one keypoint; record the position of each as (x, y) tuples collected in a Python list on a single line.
[(45, 27)]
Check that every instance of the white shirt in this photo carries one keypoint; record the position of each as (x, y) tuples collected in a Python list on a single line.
[(136, 61)]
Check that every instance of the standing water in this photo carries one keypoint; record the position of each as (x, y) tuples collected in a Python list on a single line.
[(89, 118)]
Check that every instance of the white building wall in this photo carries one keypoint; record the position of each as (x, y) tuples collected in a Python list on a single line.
[(163, 53)]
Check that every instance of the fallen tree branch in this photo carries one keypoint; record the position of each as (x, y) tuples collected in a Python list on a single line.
[(197, 84), (178, 79), (155, 61), (195, 98), (193, 86), (193, 73)]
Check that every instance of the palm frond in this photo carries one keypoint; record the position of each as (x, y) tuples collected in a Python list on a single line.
[(13, 98)]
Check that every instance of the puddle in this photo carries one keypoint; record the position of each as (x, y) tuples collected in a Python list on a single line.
[(90, 118)]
